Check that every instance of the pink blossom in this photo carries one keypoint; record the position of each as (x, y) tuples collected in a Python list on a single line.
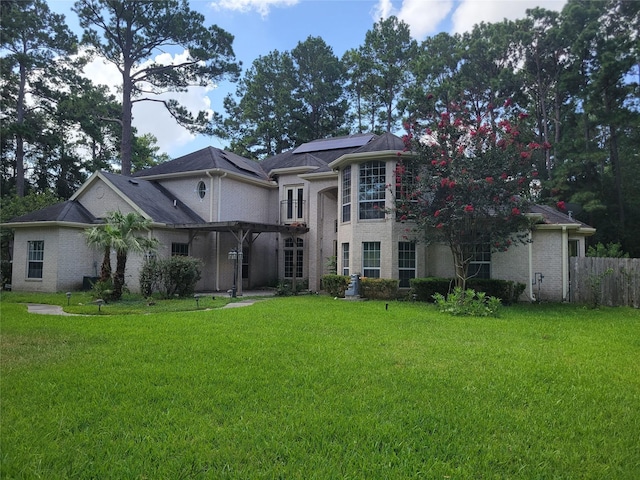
[(468, 208), (561, 205), (436, 213), (440, 225), (515, 211), (489, 179)]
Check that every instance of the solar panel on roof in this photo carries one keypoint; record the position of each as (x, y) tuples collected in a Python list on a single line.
[(334, 143)]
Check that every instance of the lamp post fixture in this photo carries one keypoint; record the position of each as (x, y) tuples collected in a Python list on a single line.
[(235, 255), (68, 297)]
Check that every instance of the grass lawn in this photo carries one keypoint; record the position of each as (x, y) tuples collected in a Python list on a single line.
[(315, 388)]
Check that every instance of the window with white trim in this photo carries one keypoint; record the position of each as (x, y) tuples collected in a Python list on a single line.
[(346, 194), (201, 189), (371, 190), (371, 259), (294, 203), (35, 259), (406, 263), (345, 259), (480, 264), (293, 257)]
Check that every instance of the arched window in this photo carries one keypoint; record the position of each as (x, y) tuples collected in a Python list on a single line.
[(201, 189)]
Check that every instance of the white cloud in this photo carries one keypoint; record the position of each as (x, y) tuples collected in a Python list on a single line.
[(423, 17), (383, 9), (152, 117), (426, 17), (261, 6), (471, 12)]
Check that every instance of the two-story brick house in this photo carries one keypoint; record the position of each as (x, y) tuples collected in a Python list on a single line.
[(288, 215)]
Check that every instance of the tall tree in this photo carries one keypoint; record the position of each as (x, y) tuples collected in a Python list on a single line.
[(604, 49), (34, 42), (434, 68), (487, 73), (127, 33), (387, 53), (266, 118), (546, 64), (319, 80)]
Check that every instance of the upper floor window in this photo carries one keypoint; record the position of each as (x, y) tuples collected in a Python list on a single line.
[(201, 189), (35, 259), (346, 194), (406, 181), (372, 190), (294, 204)]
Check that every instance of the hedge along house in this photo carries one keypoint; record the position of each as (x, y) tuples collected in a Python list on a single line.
[(289, 215)]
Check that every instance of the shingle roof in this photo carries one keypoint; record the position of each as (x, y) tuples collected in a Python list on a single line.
[(551, 216), (153, 199), (208, 158), (69, 211), (320, 153), (381, 143)]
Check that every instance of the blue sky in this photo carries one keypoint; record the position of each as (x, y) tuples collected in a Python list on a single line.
[(261, 26)]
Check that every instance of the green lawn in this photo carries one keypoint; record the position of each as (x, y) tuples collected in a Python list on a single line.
[(315, 388)]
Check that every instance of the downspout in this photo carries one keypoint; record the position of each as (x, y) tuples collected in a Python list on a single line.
[(530, 286), (565, 263)]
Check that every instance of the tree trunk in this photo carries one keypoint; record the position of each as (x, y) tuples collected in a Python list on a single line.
[(19, 138), (127, 119), (105, 269), (118, 277)]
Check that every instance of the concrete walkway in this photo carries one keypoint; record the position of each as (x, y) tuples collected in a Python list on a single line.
[(43, 309)]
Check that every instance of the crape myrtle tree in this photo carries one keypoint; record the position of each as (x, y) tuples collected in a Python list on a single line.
[(468, 181)]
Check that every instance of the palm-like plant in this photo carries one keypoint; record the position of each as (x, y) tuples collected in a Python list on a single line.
[(121, 233), (100, 237)]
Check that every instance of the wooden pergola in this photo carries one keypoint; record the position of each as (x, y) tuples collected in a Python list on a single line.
[(245, 231)]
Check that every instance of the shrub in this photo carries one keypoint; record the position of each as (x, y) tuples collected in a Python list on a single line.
[(424, 289), (468, 303), (335, 285), (379, 288), (507, 291), (171, 276), (285, 287), (102, 289)]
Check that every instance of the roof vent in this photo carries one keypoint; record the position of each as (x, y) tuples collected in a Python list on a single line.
[(133, 182)]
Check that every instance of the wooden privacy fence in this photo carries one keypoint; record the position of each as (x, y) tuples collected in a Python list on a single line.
[(605, 281)]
